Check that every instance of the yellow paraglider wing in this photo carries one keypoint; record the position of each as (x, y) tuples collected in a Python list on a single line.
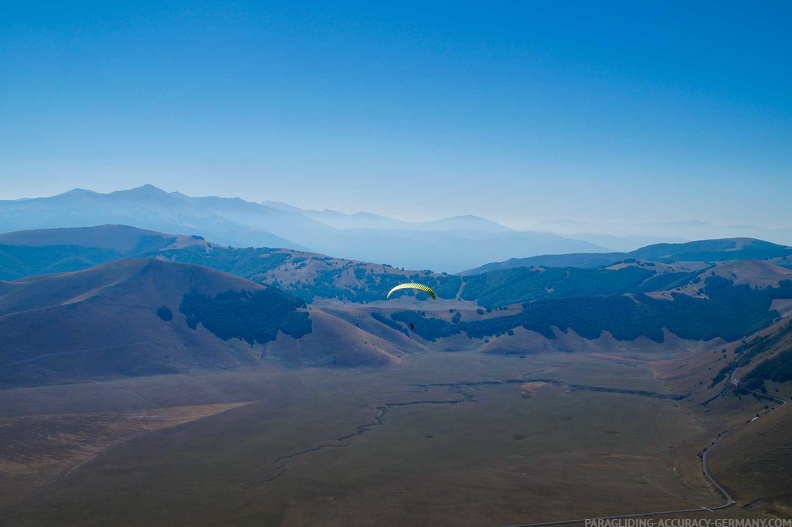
[(419, 287)]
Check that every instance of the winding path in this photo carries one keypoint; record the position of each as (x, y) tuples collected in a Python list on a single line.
[(343, 441), (729, 500), (456, 387)]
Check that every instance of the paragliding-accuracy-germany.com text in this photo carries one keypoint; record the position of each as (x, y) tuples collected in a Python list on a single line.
[(687, 522)]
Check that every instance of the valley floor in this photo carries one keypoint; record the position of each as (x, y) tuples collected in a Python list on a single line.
[(460, 439)]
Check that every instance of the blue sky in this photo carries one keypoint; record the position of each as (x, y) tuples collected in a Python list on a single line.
[(516, 111)]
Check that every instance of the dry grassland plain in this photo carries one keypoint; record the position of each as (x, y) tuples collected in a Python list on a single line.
[(440, 439)]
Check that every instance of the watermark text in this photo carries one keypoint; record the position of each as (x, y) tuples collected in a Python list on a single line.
[(687, 522)]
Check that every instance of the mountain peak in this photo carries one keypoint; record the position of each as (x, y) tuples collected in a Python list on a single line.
[(466, 222), (146, 192), (79, 192), (147, 189)]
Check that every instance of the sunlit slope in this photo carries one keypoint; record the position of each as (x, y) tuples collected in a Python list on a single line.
[(120, 238), (336, 342), (103, 322)]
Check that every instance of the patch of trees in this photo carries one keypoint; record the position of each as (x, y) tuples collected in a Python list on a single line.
[(255, 316), (777, 369), (428, 328), (375, 286), (389, 322), (726, 370), (521, 284), (248, 263), (151, 243), (773, 369), (667, 281)]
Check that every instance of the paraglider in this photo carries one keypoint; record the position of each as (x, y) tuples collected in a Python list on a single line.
[(419, 287)]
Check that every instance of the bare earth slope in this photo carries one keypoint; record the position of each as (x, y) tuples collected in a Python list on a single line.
[(124, 319), (103, 322)]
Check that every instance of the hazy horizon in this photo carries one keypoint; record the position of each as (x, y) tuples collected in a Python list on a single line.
[(640, 233), (609, 113)]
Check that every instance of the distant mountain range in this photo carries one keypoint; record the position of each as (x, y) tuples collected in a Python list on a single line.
[(450, 244), (671, 231)]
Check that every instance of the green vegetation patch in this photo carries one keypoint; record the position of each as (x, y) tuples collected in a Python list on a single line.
[(375, 286), (245, 262), (165, 313), (251, 316), (513, 286), (389, 322), (778, 369), (667, 281)]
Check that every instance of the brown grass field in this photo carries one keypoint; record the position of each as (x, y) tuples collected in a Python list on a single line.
[(440, 439)]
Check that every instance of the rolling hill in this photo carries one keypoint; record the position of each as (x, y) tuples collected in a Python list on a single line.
[(347, 321), (135, 317), (309, 275), (702, 251), (739, 388), (314, 276), (44, 251)]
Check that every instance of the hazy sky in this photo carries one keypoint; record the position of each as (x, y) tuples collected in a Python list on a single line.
[(516, 111)]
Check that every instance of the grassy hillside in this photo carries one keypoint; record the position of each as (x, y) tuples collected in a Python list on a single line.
[(628, 300), (513, 286), (712, 251), (45, 251), (720, 250), (119, 238), (754, 462), (311, 276), (138, 317), (21, 261), (751, 461), (760, 359), (728, 311)]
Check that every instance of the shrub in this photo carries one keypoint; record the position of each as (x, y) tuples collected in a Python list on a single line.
[(165, 313)]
